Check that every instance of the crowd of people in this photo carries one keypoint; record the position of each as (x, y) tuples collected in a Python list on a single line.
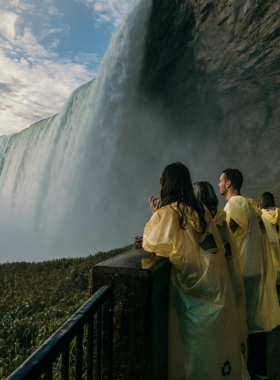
[(225, 274)]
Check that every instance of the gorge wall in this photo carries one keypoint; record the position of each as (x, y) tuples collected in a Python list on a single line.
[(215, 65)]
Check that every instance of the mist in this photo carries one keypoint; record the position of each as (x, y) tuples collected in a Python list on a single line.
[(79, 182)]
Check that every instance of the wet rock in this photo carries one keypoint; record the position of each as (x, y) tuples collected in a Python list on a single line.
[(216, 66)]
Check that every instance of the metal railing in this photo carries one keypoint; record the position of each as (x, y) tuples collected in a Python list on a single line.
[(97, 314)]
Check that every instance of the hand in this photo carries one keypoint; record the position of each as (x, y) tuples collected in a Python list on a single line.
[(140, 241), (154, 204), (152, 254)]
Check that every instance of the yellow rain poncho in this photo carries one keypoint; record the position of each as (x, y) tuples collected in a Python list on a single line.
[(262, 305), (234, 263), (204, 340), (271, 222)]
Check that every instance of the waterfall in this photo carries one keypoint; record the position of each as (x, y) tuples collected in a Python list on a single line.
[(45, 209), (79, 182)]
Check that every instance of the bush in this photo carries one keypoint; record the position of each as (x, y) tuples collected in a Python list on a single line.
[(36, 299)]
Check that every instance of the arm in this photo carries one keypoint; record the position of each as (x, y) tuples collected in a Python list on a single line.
[(158, 237), (237, 210), (142, 250), (233, 225)]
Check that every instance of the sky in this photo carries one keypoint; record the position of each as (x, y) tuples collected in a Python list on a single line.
[(48, 48)]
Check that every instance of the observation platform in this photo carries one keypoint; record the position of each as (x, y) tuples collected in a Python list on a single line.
[(141, 295)]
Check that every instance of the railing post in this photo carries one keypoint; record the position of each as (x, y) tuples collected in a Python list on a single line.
[(48, 373), (98, 344), (90, 350), (79, 355), (107, 342), (65, 364), (111, 336)]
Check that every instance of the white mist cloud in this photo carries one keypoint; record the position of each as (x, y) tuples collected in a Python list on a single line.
[(34, 80), (109, 11)]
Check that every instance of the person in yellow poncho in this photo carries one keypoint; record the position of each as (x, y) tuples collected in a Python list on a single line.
[(270, 217), (205, 194), (262, 307), (203, 332)]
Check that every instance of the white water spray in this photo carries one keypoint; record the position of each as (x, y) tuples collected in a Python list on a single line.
[(79, 182), (45, 210)]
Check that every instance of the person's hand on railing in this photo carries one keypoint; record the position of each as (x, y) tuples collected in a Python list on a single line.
[(154, 204), (139, 241)]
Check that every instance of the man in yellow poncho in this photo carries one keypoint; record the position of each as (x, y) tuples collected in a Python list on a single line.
[(204, 340), (206, 195), (270, 217), (262, 308)]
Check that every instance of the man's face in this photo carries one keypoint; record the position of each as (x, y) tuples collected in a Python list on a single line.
[(223, 184)]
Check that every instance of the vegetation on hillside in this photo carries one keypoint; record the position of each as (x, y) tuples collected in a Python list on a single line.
[(36, 299)]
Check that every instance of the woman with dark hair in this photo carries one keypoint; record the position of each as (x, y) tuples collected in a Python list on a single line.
[(267, 201), (270, 217), (203, 323), (205, 194)]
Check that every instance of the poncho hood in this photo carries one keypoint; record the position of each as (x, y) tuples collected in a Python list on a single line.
[(220, 217), (251, 202), (254, 206), (271, 216)]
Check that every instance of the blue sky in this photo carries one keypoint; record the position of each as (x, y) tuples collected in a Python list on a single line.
[(48, 48)]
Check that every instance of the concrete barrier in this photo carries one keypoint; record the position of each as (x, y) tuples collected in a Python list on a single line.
[(141, 295)]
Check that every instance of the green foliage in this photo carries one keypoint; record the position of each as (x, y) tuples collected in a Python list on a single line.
[(36, 299)]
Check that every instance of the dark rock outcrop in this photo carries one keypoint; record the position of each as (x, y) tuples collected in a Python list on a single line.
[(216, 66)]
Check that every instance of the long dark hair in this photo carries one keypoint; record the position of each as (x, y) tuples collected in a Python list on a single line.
[(176, 186), (205, 193), (267, 200)]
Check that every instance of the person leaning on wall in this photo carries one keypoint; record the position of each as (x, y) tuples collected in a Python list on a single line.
[(203, 334), (206, 195), (262, 307), (270, 217)]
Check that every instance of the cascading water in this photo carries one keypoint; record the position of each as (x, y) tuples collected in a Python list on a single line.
[(44, 168), (79, 182)]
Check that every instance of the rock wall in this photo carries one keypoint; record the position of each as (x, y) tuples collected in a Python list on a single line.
[(216, 66)]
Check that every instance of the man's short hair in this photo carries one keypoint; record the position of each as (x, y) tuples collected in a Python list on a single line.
[(235, 177)]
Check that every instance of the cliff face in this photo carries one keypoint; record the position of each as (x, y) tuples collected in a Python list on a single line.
[(216, 66)]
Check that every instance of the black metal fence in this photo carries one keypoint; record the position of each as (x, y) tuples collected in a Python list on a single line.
[(97, 315)]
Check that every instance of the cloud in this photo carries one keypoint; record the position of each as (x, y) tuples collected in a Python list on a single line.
[(4, 88), (18, 5), (34, 80), (108, 11), (53, 11), (48, 31), (87, 58), (7, 24)]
